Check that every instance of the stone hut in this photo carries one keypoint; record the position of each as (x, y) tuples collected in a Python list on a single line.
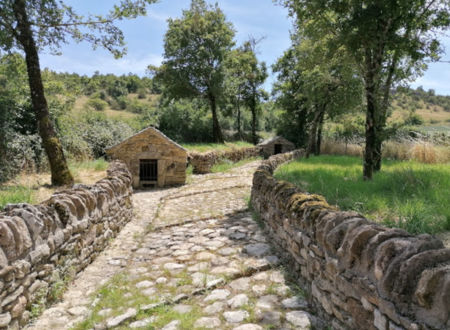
[(153, 159), (275, 145)]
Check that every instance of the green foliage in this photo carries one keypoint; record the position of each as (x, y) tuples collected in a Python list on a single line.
[(97, 104), (185, 121), (195, 48), (409, 195), (91, 134)]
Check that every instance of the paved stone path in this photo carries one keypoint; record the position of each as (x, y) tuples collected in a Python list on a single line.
[(193, 258)]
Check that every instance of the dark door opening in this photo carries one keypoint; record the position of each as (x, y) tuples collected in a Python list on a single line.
[(148, 170), (278, 149)]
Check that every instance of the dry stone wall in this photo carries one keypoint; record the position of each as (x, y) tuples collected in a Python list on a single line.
[(202, 162), (43, 245), (358, 274)]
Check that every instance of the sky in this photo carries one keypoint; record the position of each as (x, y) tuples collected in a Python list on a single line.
[(145, 36)]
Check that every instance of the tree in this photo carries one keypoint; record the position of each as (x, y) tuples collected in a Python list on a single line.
[(389, 40), (195, 48), (245, 76), (30, 25), (324, 81)]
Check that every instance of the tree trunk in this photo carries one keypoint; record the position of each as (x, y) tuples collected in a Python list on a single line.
[(312, 140), (319, 136), (238, 106), (377, 154), (253, 110), (217, 132), (60, 174), (369, 160)]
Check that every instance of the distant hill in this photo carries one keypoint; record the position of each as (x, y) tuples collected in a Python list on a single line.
[(422, 108)]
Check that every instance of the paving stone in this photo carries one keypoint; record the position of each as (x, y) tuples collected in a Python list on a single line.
[(144, 284), (173, 266), (182, 309), (300, 319), (235, 316), (78, 310), (207, 322), (294, 303), (161, 280), (172, 325), (267, 302), (257, 249), (142, 323), (259, 289), (205, 256), (214, 308), (115, 321), (268, 317), (241, 284), (248, 326), (218, 294), (238, 301)]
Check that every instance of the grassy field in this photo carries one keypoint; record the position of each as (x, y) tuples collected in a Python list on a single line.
[(203, 147), (405, 194), (35, 188)]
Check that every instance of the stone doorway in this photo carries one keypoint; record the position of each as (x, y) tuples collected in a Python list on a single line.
[(148, 172), (278, 149)]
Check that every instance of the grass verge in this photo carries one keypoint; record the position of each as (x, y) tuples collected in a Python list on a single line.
[(226, 165), (405, 194), (34, 188)]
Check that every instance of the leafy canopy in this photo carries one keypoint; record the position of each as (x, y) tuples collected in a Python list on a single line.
[(53, 23), (195, 47)]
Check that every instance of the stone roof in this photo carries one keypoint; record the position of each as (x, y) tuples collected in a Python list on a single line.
[(153, 129), (275, 139)]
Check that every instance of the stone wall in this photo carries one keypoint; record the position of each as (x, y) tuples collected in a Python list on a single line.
[(202, 162), (357, 274), (42, 245)]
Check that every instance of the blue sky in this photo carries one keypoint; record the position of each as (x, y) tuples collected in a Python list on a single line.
[(144, 37)]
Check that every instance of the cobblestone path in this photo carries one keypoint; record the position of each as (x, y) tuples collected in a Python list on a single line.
[(193, 258)]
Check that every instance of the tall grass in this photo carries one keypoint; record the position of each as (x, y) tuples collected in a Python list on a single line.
[(423, 152), (405, 194), (203, 147), (15, 194)]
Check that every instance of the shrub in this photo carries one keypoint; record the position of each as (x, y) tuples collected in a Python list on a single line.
[(97, 104), (122, 102)]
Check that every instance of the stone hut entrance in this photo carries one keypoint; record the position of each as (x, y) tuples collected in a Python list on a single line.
[(275, 145), (153, 159), (148, 172), (278, 149)]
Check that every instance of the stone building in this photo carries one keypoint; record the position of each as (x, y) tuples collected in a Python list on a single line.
[(275, 145), (153, 159)]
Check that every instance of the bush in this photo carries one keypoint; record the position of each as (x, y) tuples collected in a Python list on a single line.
[(122, 102), (186, 121), (142, 93), (97, 104), (135, 106)]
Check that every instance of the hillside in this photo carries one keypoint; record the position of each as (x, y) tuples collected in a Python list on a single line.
[(424, 109)]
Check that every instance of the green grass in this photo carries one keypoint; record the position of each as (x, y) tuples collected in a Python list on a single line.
[(408, 195), (95, 165), (226, 165), (15, 194), (203, 147)]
